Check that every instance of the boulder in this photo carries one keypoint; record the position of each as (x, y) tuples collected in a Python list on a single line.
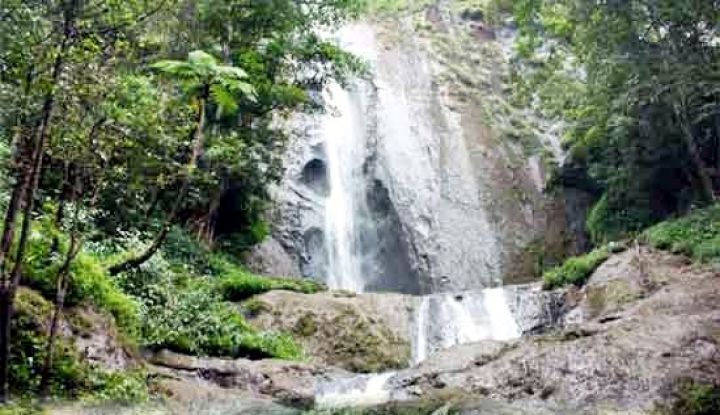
[(357, 332)]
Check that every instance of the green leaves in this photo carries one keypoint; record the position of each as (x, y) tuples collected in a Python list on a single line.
[(202, 75), (636, 84)]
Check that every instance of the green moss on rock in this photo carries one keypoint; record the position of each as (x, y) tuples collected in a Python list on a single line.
[(362, 347), (575, 270)]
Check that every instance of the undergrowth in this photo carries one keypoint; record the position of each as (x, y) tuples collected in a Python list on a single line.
[(186, 306), (71, 377), (696, 235), (575, 270)]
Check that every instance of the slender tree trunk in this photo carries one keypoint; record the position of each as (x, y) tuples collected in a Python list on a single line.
[(27, 192), (5, 320), (706, 185), (19, 190), (197, 149), (20, 164), (60, 212), (62, 284)]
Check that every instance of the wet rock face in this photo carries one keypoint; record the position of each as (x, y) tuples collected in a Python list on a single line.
[(535, 311), (314, 176), (290, 383), (270, 258), (448, 204), (645, 323)]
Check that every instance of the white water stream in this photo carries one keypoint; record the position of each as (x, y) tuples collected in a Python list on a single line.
[(361, 390), (448, 319), (342, 131)]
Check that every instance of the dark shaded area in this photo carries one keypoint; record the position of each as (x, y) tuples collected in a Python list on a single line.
[(314, 176), (314, 263), (385, 250)]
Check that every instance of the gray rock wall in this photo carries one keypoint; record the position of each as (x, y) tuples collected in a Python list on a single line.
[(453, 203)]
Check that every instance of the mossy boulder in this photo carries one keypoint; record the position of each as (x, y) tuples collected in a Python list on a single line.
[(360, 333), (90, 354)]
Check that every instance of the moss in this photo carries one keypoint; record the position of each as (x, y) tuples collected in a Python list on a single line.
[(609, 297), (81, 323), (28, 351), (255, 306), (89, 281), (306, 325), (237, 284), (696, 235), (360, 347), (575, 270), (26, 407), (694, 398)]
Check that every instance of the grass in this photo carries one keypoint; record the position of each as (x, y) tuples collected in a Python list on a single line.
[(241, 285), (696, 235), (237, 284), (575, 270)]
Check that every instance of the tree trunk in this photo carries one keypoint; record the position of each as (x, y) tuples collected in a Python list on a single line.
[(27, 192), (5, 319), (706, 185), (61, 290), (192, 163), (60, 212)]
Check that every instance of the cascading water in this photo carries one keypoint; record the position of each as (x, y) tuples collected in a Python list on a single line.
[(362, 390), (342, 131), (387, 132), (448, 319)]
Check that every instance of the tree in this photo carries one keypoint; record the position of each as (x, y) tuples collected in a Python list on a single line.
[(204, 81), (46, 46), (637, 84)]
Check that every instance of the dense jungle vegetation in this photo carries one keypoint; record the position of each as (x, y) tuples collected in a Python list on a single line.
[(636, 85), (139, 138)]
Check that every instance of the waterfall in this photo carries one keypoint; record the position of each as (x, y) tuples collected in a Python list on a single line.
[(448, 319), (420, 347), (361, 390), (342, 132)]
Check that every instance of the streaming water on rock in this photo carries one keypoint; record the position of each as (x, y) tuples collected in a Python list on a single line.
[(361, 390), (343, 136), (448, 319), (378, 138)]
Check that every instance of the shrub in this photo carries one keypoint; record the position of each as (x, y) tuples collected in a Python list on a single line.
[(89, 282), (121, 387), (617, 216), (696, 399), (182, 291), (575, 270), (696, 235), (187, 314), (27, 352)]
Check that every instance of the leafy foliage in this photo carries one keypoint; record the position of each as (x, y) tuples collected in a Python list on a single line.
[(89, 281), (575, 270), (696, 235), (139, 116), (183, 308), (71, 377), (696, 399), (236, 284), (636, 84)]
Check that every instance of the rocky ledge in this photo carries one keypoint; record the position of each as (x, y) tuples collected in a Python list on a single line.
[(645, 326)]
